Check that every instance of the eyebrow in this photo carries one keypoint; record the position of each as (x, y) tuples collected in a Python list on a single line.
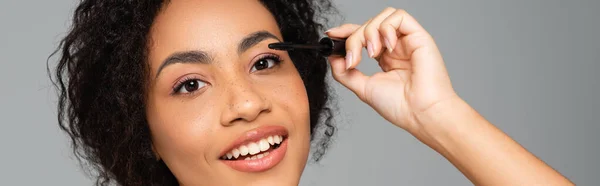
[(198, 56), (192, 56), (253, 39)]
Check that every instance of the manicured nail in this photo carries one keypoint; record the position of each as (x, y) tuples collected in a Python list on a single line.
[(348, 59), (388, 45), (370, 49), (331, 29)]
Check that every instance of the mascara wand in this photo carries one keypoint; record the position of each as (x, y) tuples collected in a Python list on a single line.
[(326, 47)]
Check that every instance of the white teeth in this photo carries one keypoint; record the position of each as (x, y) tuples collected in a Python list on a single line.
[(277, 139), (243, 150), (253, 148), (259, 156), (236, 153), (264, 145), (270, 140)]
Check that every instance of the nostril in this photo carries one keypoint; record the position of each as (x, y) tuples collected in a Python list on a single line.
[(237, 119)]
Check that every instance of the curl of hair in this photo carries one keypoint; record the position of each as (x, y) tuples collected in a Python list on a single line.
[(102, 75)]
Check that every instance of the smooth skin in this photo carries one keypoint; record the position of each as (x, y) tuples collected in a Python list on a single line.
[(414, 92), (192, 126)]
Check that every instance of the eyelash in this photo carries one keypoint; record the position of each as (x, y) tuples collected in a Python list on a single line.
[(276, 59), (182, 82)]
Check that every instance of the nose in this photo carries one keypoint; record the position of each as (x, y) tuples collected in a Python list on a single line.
[(244, 103)]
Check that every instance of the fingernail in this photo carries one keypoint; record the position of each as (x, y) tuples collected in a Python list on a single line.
[(329, 30), (388, 45), (348, 59), (370, 49)]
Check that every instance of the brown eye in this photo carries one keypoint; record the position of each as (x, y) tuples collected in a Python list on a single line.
[(190, 86), (262, 64), (265, 63)]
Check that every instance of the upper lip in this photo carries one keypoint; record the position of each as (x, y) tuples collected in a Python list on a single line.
[(255, 135)]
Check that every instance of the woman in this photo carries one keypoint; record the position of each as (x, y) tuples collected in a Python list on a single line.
[(188, 93)]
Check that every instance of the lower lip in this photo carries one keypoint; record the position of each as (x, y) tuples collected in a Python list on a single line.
[(260, 165)]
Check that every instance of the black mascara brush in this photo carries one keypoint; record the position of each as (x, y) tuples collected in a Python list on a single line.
[(326, 47)]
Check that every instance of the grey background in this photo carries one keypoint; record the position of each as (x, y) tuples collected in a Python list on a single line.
[(528, 66)]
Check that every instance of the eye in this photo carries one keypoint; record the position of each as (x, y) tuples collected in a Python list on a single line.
[(265, 62), (188, 86)]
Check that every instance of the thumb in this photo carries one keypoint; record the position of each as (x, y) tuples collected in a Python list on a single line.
[(352, 78)]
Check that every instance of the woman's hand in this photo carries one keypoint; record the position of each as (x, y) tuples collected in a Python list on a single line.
[(413, 77), (414, 92)]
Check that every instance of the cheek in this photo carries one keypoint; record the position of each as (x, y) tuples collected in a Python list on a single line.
[(291, 95), (300, 98), (182, 132)]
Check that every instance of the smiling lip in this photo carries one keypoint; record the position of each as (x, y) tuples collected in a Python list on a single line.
[(267, 162)]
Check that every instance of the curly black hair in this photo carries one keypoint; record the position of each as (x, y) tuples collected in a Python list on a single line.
[(101, 102)]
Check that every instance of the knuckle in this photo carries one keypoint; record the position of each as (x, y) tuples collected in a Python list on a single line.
[(385, 25), (418, 40), (389, 8), (371, 29), (353, 40), (336, 76), (349, 40), (401, 12)]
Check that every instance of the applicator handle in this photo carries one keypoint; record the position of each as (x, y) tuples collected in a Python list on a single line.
[(335, 47)]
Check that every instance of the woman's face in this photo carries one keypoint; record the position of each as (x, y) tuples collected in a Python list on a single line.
[(217, 92)]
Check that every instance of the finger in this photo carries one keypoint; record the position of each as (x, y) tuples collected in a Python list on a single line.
[(342, 31), (352, 79), (354, 45), (373, 38), (398, 24), (416, 44)]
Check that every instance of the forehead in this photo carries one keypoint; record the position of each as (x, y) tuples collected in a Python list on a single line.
[(210, 25)]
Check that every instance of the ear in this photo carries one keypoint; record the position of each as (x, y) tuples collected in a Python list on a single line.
[(156, 155)]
